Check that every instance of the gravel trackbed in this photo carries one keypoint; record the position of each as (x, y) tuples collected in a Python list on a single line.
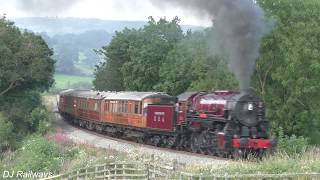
[(98, 140)]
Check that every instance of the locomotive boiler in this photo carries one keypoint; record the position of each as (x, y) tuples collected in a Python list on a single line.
[(225, 123)]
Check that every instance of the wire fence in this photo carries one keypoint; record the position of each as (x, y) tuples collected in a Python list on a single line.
[(150, 171)]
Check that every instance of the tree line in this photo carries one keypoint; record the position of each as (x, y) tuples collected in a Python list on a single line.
[(161, 57), (26, 70)]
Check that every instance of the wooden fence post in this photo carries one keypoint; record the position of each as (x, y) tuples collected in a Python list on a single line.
[(148, 170), (77, 175)]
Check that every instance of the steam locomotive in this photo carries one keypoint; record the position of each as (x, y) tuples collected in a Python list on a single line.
[(220, 123)]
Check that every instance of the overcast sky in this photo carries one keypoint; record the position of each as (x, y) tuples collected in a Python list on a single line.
[(102, 9)]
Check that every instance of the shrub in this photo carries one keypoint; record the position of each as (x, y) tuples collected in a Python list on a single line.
[(60, 138), (40, 119), (42, 155), (291, 145), (6, 135), (38, 154)]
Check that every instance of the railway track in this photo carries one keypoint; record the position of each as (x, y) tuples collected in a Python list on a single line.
[(80, 134)]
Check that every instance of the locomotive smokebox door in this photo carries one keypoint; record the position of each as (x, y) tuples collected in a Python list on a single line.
[(160, 117)]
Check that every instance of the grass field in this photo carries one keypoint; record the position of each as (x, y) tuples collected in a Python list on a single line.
[(69, 81)]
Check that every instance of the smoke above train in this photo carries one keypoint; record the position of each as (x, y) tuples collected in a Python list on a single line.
[(240, 25)]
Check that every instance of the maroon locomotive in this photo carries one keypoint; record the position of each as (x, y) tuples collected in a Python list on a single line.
[(222, 123), (225, 123)]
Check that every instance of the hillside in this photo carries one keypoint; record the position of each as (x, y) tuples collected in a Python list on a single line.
[(73, 40), (53, 26)]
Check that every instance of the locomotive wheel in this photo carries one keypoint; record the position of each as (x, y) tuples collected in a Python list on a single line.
[(205, 143), (90, 126), (195, 142), (182, 143), (210, 152), (237, 154), (170, 142), (99, 128)]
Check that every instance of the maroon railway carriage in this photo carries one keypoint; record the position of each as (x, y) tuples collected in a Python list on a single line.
[(80, 104), (152, 110), (145, 116)]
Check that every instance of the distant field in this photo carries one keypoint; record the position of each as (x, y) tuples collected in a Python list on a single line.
[(69, 81)]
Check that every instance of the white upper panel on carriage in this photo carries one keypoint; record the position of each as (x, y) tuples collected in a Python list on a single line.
[(82, 93), (112, 95), (127, 95)]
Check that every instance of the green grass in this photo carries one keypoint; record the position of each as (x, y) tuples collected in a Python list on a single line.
[(67, 81), (279, 163)]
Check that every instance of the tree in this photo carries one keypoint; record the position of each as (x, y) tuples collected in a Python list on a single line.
[(288, 69), (108, 74), (159, 57), (25, 60), (26, 70), (192, 65), (133, 57), (157, 39)]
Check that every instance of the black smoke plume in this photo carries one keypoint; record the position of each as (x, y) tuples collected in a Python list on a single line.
[(239, 24)]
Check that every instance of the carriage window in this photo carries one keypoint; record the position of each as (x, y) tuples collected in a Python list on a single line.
[(95, 106), (129, 107), (121, 106), (111, 107), (126, 106), (115, 106), (136, 107), (118, 106)]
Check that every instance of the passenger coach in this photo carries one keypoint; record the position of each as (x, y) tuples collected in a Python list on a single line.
[(103, 110)]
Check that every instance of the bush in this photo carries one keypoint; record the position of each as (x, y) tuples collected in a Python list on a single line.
[(6, 135), (40, 119), (291, 145), (38, 154)]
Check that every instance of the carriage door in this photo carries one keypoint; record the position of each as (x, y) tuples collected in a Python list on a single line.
[(160, 117)]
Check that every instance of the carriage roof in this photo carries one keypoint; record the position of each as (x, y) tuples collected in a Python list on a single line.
[(111, 95), (82, 93), (127, 95)]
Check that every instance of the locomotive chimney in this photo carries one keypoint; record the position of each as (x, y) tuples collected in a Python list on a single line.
[(247, 91)]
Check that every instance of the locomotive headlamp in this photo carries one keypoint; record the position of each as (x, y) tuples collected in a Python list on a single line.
[(250, 107)]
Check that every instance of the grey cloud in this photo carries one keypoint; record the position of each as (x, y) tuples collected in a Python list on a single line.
[(41, 7)]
